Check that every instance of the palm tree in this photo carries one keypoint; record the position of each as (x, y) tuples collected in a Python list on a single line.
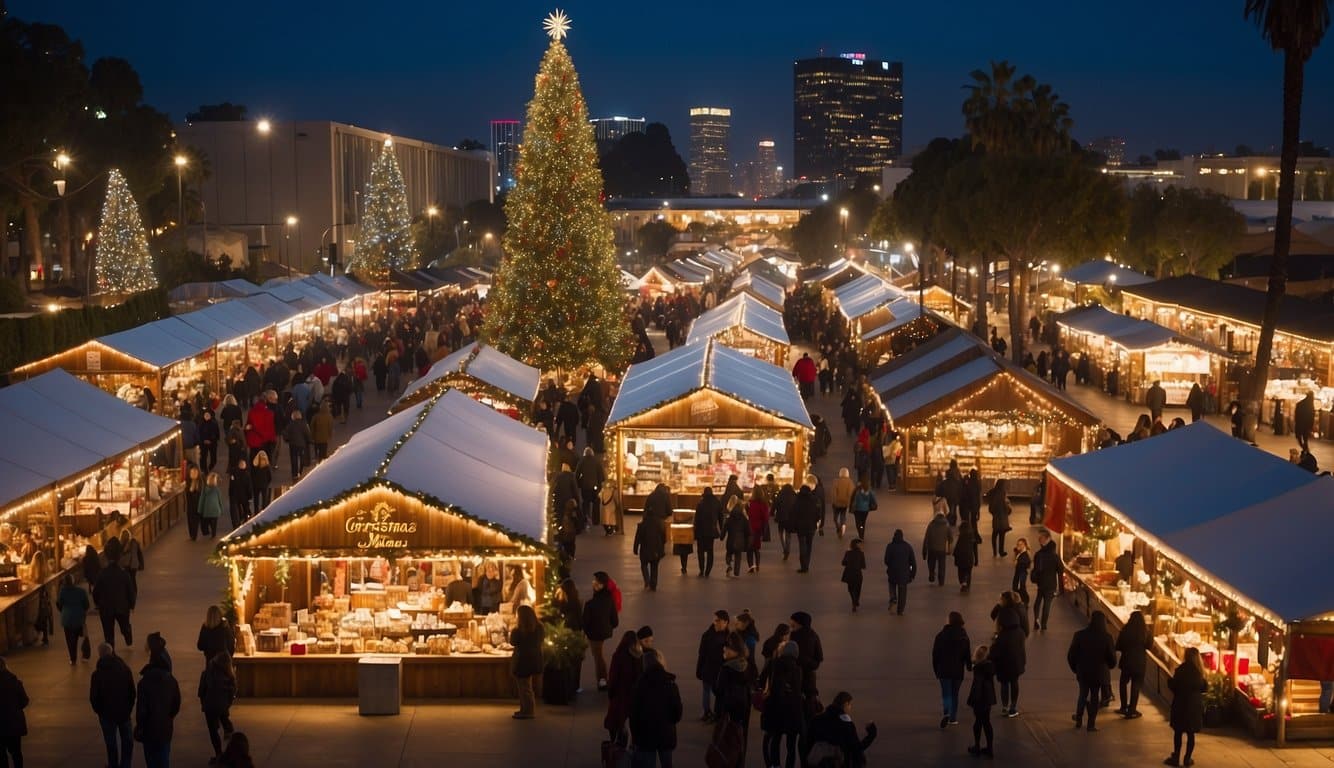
[(1294, 27)]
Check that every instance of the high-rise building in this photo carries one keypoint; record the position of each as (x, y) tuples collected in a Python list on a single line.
[(847, 116), (505, 138), (1111, 147), (766, 159), (710, 170), (607, 130)]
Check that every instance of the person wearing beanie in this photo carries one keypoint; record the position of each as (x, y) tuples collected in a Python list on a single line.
[(157, 646), (157, 703), (645, 635), (810, 655)]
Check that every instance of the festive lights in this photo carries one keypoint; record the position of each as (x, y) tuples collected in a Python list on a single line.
[(386, 223), (124, 264)]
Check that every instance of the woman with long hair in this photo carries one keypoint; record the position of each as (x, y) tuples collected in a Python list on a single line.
[(194, 485), (757, 512), (526, 637), (622, 677), (217, 691), (215, 635), (1188, 686), (261, 480), (518, 592)]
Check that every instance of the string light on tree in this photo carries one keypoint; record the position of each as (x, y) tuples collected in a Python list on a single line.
[(386, 223), (124, 263), (556, 301)]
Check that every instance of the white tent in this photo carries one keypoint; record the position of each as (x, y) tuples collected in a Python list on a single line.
[(741, 311), (760, 288), (483, 363)]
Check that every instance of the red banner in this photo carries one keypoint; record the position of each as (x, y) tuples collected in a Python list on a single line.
[(1054, 515), (1311, 657)]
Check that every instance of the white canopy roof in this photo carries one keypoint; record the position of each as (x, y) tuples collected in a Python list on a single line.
[(57, 427), (462, 453), (865, 294), (709, 365), (740, 311), (487, 365), (897, 376), (941, 387), (771, 294), (902, 311), (834, 270), (160, 343)]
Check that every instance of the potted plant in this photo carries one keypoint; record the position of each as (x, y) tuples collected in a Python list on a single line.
[(563, 652), (1217, 699)]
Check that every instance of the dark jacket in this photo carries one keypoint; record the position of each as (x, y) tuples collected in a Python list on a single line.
[(1091, 651), (708, 519), (784, 707), (650, 540), (806, 512), (810, 658), (833, 727), (564, 488), (854, 562), (999, 507), (655, 709), (710, 658), (589, 474), (964, 553), (736, 529), (783, 507), (527, 651), (622, 678), (72, 602), (111, 691), (733, 687), (1133, 644), (1007, 650), (952, 488), (13, 700), (900, 560), (1047, 569), (240, 489), (600, 615), (114, 592), (217, 691), (159, 701), (951, 653), (216, 640), (658, 505), (938, 538), (982, 693), (1188, 686)]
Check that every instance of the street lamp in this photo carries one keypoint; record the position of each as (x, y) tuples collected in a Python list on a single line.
[(181, 162), (264, 126), (431, 213), (843, 223), (62, 161), (287, 244)]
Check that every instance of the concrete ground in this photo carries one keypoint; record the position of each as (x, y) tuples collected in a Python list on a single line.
[(881, 658)]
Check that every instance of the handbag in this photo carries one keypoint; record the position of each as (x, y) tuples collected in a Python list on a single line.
[(615, 755), (766, 533), (824, 755), (758, 697), (87, 649), (724, 750)]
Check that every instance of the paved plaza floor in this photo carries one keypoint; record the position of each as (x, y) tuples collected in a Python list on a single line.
[(881, 658)]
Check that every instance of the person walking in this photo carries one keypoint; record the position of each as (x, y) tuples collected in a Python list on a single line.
[(210, 506), (261, 481), (1195, 402), (1303, 421), (901, 569), (842, 499), (784, 503), (114, 596), (805, 521), (709, 661), (981, 697), (833, 737), (194, 485), (736, 536), (811, 654), (854, 562), (757, 513), (298, 437), (210, 434), (589, 475), (863, 501), (784, 714), (111, 692), (1091, 657), (1022, 563), (732, 688), (1133, 647), (73, 604), (1047, 576), (1155, 399), (158, 701), (1188, 685), (622, 678), (217, 691), (1009, 657), (651, 546), (131, 557), (708, 526), (600, 619), (13, 723), (526, 637), (936, 546), (965, 553), (215, 635), (952, 491), (240, 493), (951, 656), (998, 504), (655, 710)]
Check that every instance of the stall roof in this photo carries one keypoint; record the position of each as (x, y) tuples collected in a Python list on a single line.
[(940, 387), (1179, 479), (683, 271), (1128, 332), (462, 453), (221, 322), (865, 294), (903, 311), (903, 370), (160, 343), (1302, 317), (219, 289), (486, 364), (1101, 272), (838, 267), (57, 426), (269, 307), (766, 291), (740, 311), (708, 365)]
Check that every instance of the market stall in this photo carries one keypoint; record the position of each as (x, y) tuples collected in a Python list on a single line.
[(482, 372), (416, 539), (1096, 279), (953, 398), (77, 467), (701, 413), (1235, 565), (837, 274), (1140, 352), (940, 300), (770, 294), (745, 324), (893, 329)]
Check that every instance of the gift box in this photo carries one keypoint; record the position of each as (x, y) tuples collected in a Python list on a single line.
[(1210, 660), (1243, 663), (299, 648)]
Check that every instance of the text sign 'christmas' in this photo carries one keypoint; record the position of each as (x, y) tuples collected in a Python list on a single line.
[(377, 529)]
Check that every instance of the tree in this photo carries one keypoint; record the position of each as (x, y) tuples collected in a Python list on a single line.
[(645, 165), (556, 301), (819, 236), (1181, 231), (1296, 28), (433, 236), (124, 264), (386, 223), (654, 238), (469, 145)]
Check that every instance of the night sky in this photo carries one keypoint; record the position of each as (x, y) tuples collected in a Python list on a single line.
[(1191, 75)]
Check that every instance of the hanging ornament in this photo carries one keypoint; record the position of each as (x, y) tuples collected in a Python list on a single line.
[(552, 283), (583, 281)]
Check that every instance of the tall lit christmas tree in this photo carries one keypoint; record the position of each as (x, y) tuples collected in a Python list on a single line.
[(124, 264), (386, 222), (556, 301)]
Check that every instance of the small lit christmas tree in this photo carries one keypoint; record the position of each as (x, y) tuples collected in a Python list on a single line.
[(124, 264), (386, 224), (556, 301)]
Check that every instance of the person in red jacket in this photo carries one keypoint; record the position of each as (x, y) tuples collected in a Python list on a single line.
[(757, 511), (260, 433), (806, 374)]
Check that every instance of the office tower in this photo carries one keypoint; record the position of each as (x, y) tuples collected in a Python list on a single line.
[(607, 130), (847, 116), (1111, 147), (766, 160), (505, 138), (710, 171)]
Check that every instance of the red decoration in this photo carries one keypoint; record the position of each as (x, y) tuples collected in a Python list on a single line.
[(552, 283)]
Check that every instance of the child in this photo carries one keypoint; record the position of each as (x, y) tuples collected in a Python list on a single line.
[(854, 562), (981, 696)]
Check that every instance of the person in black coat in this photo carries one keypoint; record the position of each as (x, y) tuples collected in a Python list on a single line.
[(651, 546), (811, 652), (965, 553), (158, 702), (1091, 657), (1188, 685), (854, 562), (782, 509), (600, 620), (655, 709), (709, 660), (952, 490), (1133, 645), (1023, 563), (1303, 421), (834, 727), (564, 488), (13, 723), (951, 656), (998, 505), (784, 713), (627, 664), (733, 687), (1195, 402), (981, 697), (901, 569), (736, 535), (1047, 576), (217, 691), (526, 637), (1009, 657), (805, 521), (708, 526), (210, 435), (240, 493), (114, 596), (111, 692)]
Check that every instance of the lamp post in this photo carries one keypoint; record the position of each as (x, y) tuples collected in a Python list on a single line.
[(843, 225), (431, 213), (62, 161), (287, 245), (181, 162)]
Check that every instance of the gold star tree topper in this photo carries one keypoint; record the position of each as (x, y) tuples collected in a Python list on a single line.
[(557, 25)]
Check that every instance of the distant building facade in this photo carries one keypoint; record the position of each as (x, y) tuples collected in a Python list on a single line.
[(1111, 147), (847, 116), (746, 216), (710, 169), (505, 138), (316, 172), (609, 130), (759, 177), (1238, 178)]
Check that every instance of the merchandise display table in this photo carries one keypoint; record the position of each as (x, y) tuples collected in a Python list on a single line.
[(463, 676)]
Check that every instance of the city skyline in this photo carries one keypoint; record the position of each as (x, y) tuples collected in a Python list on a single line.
[(1173, 83)]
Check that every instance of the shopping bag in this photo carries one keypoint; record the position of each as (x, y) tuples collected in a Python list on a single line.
[(728, 742), (615, 755)]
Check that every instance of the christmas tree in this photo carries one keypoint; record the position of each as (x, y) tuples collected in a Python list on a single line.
[(386, 223), (124, 264), (556, 301)]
